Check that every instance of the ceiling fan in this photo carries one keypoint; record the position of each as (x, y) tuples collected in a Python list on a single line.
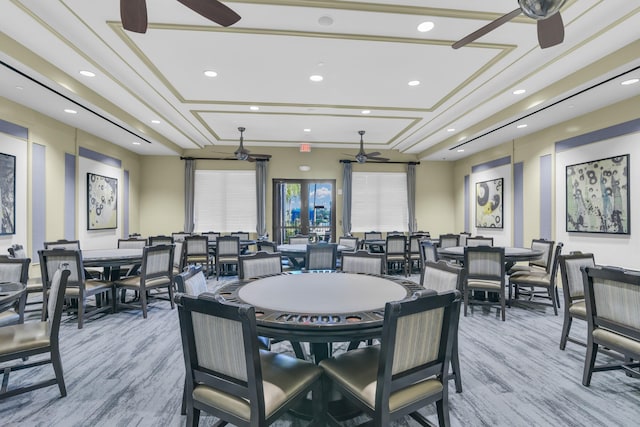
[(243, 154), (545, 12), (362, 157), (134, 13)]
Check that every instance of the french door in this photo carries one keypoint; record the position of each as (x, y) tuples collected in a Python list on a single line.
[(304, 206)]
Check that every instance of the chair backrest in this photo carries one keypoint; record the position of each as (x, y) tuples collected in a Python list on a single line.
[(55, 302), (571, 275), (428, 251), (160, 240), (348, 241), (479, 241), (372, 235), (462, 238), (448, 240), (132, 243), (260, 264), (179, 236), (14, 269), (220, 348), (196, 245), (228, 246), (242, 235), (157, 261), (555, 261), (546, 246), (484, 263), (612, 297), (417, 341), (396, 244), (362, 262), (17, 251), (211, 235), (414, 245), (299, 240), (63, 244), (178, 256), (52, 259), (442, 276), (192, 281), (266, 246), (321, 256)]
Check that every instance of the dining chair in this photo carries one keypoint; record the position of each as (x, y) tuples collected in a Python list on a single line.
[(17, 251), (131, 243), (442, 277), (413, 253), (178, 258), (528, 283), (612, 297), (34, 285), (462, 238), (79, 287), (260, 264), (14, 270), (179, 236), (479, 241), (19, 342), (350, 242), (321, 256), (408, 370), (299, 240), (229, 377), (448, 240), (428, 253), (196, 251), (541, 264), (362, 262), (92, 273), (484, 270), (371, 236), (227, 253), (160, 240), (396, 254), (242, 235), (156, 272), (573, 292)]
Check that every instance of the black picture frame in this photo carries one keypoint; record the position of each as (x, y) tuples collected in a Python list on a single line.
[(7, 194), (490, 204), (587, 209), (102, 202)]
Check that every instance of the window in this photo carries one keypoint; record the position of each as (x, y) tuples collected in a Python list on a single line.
[(379, 202), (225, 200)]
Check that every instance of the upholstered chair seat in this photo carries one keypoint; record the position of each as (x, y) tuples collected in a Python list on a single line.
[(578, 309), (27, 336), (491, 285)]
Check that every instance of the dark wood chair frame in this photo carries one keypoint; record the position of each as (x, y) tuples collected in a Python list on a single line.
[(478, 241), (365, 254), (569, 299), (425, 247), (160, 240), (394, 257), (551, 287), (220, 263), (446, 237), (257, 256), (499, 278)]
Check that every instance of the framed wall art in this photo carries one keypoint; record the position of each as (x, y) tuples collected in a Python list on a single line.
[(598, 196), (8, 194), (489, 206), (102, 202)]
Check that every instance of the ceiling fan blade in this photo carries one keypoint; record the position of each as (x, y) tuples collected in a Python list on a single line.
[(213, 10), (378, 159), (261, 156), (375, 153), (133, 14), (550, 31), (486, 29)]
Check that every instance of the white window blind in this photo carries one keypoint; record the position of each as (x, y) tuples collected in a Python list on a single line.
[(379, 202), (225, 200)]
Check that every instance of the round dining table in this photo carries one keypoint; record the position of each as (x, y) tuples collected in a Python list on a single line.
[(511, 254)]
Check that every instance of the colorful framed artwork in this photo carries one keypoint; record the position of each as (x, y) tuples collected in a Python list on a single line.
[(102, 202), (598, 196), (8, 194), (489, 204)]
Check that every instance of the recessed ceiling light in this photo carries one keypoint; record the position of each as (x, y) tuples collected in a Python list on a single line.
[(414, 83), (519, 91), (254, 108), (460, 150), (366, 111), (210, 73), (19, 87), (136, 142), (304, 168), (155, 122), (426, 26), (521, 126), (451, 130), (462, 138), (325, 20), (316, 78), (87, 73), (630, 82), (307, 130), (70, 111)]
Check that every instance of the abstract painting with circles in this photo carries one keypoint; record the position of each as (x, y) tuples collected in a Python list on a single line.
[(489, 206), (102, 202), (598, 196)]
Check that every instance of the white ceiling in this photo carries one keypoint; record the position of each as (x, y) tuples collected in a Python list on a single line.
[(367, 56)]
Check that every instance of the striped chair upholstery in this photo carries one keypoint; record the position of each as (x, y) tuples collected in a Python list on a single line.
[(448, 240), (413, 253), (196, 251), (479, 241), (428, 253), (179, 236), (321, 256), (228, 376), (612, 298), (178, 258), (573, 292), (131, 243), (156, 273), (442, 277), (528, 283), (396, 253), (362, 262), (484, 271), (14, 270), (260, 264), (160, 240), (299, 240), (408, 370), (79, 287), (349, 242), (227, 253), (542, 264), (192, 281)]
